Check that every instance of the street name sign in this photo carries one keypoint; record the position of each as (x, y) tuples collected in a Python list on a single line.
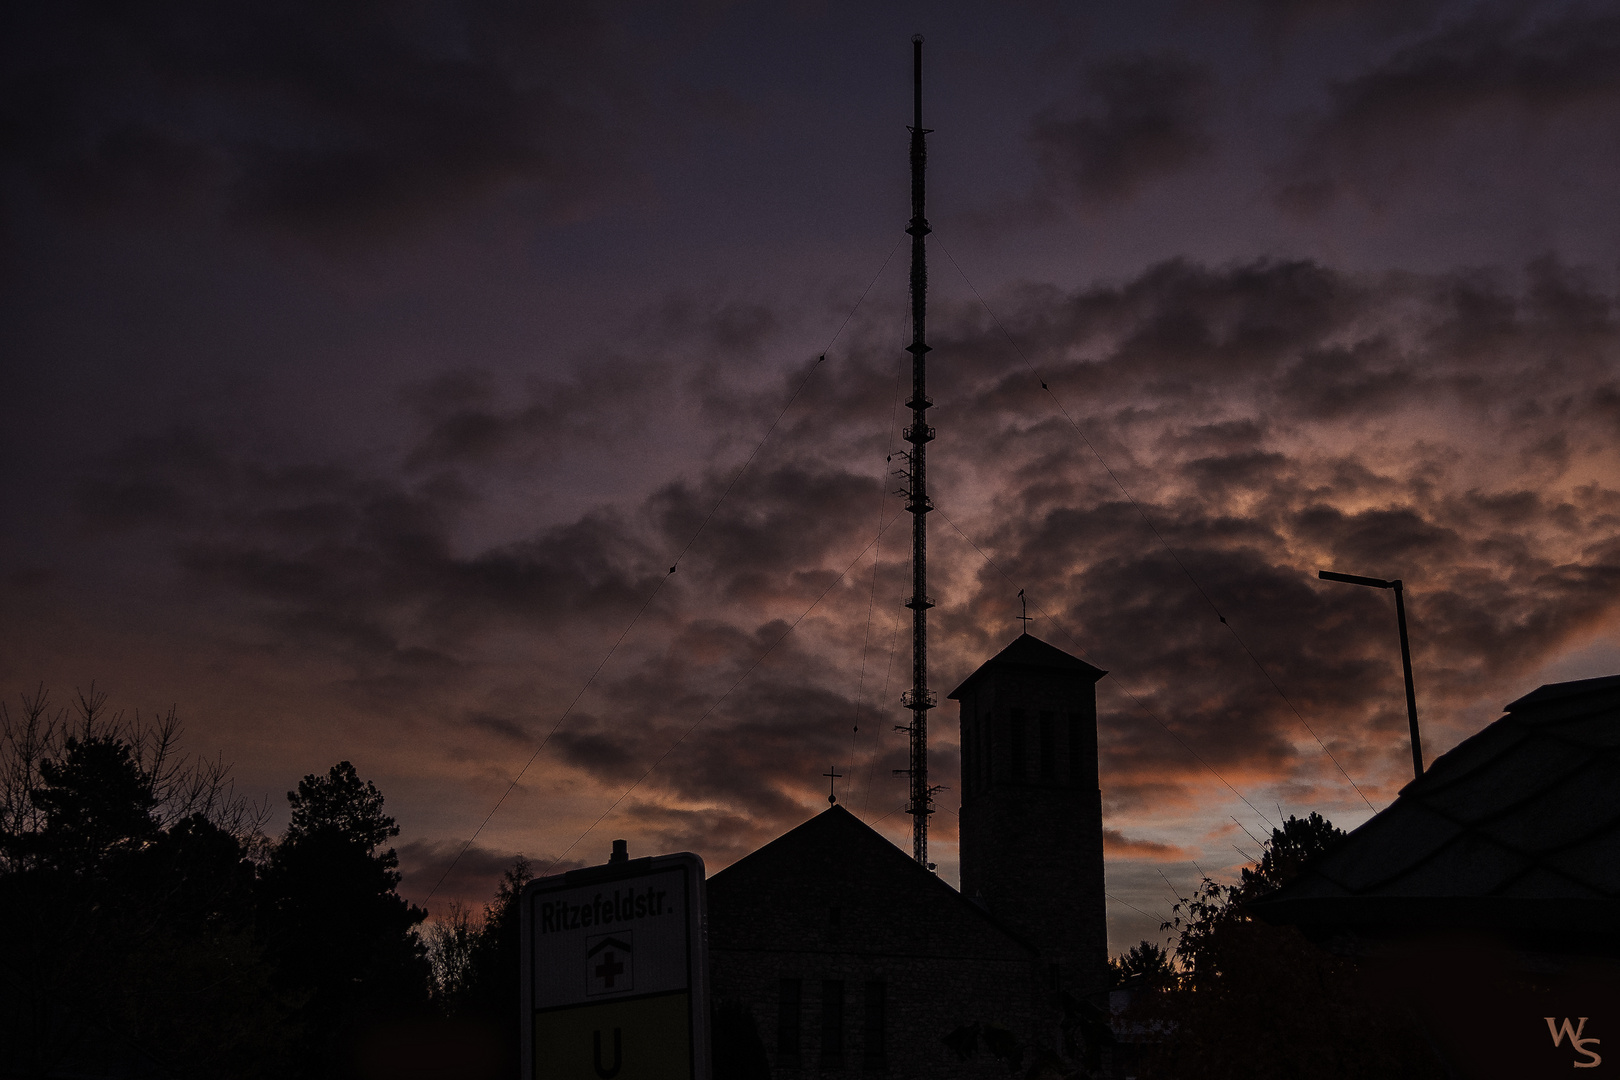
[(615, 980)]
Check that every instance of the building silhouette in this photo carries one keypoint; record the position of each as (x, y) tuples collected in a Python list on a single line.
[(851, 957), (1485, 901), (1031, 833)]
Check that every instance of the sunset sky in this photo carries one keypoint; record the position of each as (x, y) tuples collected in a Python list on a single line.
[(366, 368)]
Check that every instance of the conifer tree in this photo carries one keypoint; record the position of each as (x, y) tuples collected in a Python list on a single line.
[(336, 929)]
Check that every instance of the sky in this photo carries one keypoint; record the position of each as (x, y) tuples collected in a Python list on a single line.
[(367, 368)]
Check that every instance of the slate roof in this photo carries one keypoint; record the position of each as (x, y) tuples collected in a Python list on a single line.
[(1028, 651), (1516, 829)]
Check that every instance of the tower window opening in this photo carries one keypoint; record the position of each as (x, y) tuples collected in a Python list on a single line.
[(788, 994), (1048, 746), (1015, 744), (970, 754), (1076, 745), (984, 756)]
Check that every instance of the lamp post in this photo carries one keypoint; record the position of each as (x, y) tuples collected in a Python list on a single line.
[(1406, 652)]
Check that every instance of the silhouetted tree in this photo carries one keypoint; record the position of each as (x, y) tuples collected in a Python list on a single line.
[(1261, 1001), (475, 961), (1287, 851), (493, 969), (493, 980), (95, 803), (127, 907), (336, 929), (1145, 965), (449, 942)]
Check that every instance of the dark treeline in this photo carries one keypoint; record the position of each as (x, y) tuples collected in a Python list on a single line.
[(1236, 996), (151, 929)]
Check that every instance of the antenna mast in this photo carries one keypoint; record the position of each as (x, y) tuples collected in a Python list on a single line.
[(919, 699)]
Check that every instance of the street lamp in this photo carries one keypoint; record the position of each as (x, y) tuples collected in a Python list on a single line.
[(1406, 652)]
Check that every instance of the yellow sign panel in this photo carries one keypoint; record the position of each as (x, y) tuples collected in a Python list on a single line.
[(641, 1039)]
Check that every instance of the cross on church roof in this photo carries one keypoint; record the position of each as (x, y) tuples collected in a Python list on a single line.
[(833, 776), (1025, 616)]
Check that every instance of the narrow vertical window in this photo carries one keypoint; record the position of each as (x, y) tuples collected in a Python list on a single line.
[(872, 1038), (832, 1018), (1015, 744), (787, 1018), (1077, 745), (970, 756), (1048, 746), (986, 777), (979, 758)]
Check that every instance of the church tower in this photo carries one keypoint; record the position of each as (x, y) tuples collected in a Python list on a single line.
[(1031, 819)]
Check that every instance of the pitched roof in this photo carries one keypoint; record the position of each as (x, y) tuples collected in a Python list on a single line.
[(835, 857), (1030, 652), (1517, 827)]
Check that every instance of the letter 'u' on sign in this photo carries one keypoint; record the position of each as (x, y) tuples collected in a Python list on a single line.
[(614, 967), (638, 1039)]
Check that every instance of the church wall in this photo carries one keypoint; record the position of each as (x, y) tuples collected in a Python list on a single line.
[(836, 902), (925, 998)]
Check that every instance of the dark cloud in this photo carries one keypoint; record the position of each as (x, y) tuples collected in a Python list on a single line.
[(325, 119), (334, 559), (1286, 16), (470, 877), (1494, 67), (775, 528), (468, 420), (686, 348), (611, 752), (722, 835), (1268, 420), (1117, 845), (507, 727), (1140, 118), (1290, 419), (433, 591)]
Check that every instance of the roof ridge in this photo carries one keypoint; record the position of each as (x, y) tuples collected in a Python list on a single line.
[(847, 819), (1549, 692), (1028, 651)]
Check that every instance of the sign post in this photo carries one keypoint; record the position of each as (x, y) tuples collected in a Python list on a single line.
[(615, 980)]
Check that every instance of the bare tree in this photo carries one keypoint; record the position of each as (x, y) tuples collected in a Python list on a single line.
[(180, 784), (450, 941)]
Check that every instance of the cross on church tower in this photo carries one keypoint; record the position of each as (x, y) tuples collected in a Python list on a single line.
[(833, 776), (1024, 618)]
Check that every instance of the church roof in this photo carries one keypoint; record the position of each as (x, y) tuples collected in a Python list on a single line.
[(890, 903), (1030, 652), (1517, 828)]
